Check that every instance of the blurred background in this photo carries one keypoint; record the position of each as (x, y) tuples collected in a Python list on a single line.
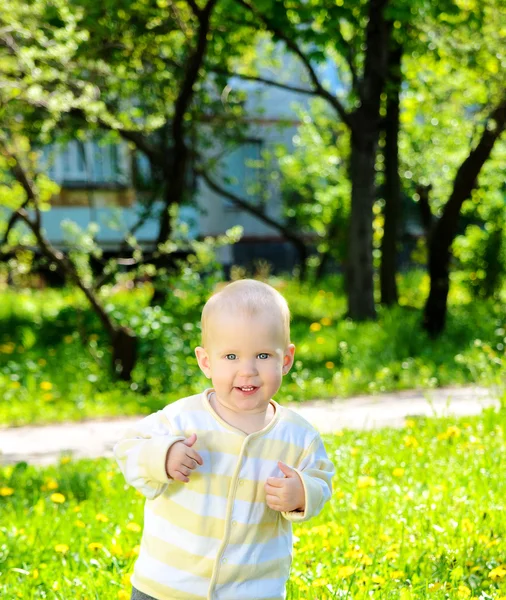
[(351, 154)]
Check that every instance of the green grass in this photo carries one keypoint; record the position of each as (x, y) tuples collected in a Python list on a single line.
[(54, 357), (416, 513)]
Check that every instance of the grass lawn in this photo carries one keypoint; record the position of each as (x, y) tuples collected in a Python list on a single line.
[(416, 513), (54, 357)]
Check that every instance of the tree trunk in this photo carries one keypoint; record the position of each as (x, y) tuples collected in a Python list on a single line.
[(445, 229), (365, 129), (124, 352), (392, 212), (360, 279)]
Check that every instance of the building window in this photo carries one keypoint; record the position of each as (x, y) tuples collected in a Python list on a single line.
[(243, 173)]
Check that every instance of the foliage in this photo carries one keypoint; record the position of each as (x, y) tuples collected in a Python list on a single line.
[(412, 517), (54, 355)]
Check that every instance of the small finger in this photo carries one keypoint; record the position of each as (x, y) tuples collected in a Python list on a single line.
[(184, 470), (272, 500), (180, 477), (190, 463), (195, 456), (276, 482)]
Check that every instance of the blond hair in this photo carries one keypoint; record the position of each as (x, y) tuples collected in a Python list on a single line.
[(249, 297)]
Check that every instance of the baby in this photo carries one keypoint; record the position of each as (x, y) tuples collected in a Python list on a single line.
[(227, 471)]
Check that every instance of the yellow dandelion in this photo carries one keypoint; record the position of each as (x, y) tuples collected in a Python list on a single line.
[(42, 362), (396, 574), (61, 548), (391, 555), (58, 498), (378, 579), (80, 524), (410, 423), (35, 574), (434, 587), (95, 546), (329, 364), (365, 482), (366, 560), (65, 460), (47, 397), (126, 579), (354, 451), (410, 441), (15, 385), (6, 491), (320, 340), (322, 582), (76, 509), (326, 321), (354, 553), (122, 595), (133, 527), (46, 386), (398, 472), (345, 571), (116, 550), (498, 573), (463, 591), (315, 327), (101, 518), (467, 525), (51, 484)]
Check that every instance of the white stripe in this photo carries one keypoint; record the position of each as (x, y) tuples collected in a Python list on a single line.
[(209, 505), (278, 548), (252, 590), (189, 542), (194, 420), (149, 567)]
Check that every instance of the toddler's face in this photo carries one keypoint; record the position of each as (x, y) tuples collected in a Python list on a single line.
[(245, 357)]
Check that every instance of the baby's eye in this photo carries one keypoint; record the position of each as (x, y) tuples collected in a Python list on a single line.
[(263, 355), (230, 356)]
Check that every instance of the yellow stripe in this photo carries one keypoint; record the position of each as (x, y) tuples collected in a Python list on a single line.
[(176, 557), (168, 510)]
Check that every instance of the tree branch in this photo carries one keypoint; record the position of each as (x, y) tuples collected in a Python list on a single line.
[(294, 47), (250, 208), (271, 82)]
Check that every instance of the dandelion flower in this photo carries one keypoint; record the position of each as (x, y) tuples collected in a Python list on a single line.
[(95, 546), (51, 484), (315, 327), (326, 321), (80, 524), (398, 472), (46, 386), (101, 518), (498, 573), (410, 441), (463, 591), (366, 481), (345, 571), (58, 498), (133, 527), (6, 491), (61, 548), (329, 364), (396, 574), (122, 595)]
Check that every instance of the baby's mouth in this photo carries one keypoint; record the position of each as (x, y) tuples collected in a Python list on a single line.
[(247, 389)]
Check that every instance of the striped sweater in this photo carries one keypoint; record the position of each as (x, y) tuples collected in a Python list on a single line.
[(215, 538)]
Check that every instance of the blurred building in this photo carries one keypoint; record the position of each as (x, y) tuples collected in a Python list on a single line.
[(99, 184)]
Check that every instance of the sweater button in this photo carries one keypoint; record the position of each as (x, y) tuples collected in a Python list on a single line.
[(234, 523), (224, 561)]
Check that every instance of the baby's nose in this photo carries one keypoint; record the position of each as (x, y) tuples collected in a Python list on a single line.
[(248, 367)]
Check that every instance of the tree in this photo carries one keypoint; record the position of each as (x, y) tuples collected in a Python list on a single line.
[(308, 32)]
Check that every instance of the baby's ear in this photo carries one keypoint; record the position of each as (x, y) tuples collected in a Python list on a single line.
[(288, 358), (203, 360)]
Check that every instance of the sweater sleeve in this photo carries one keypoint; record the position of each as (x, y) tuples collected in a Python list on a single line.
[(142, 452), (315, 471)]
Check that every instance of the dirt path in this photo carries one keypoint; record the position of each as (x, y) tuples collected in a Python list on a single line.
[(90, 439)]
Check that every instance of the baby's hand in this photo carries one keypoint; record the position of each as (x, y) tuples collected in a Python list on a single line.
[(182, 459), (285, 493)]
